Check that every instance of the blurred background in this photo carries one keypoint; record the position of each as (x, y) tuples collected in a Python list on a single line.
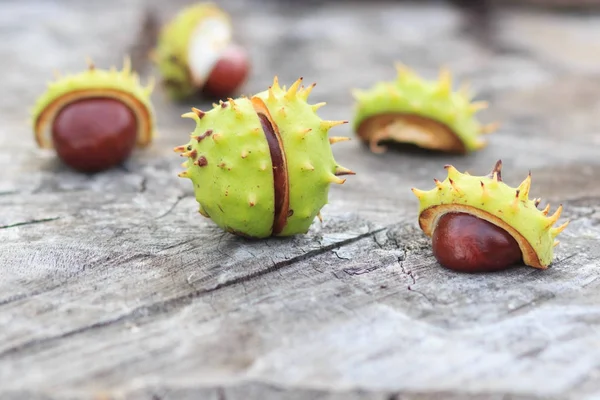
[(536, 61), (364, 37)]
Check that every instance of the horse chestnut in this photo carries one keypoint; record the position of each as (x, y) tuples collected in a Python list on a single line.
[(262, 166), (195, 54), (479, 223), (411, 110), (94, 119), (229, 73), (463, 242), (94, 134)]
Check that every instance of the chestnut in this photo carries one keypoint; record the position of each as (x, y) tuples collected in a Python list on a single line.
[(229, 73), (196, 54), (480, 224), (94, 134), (94, 119), (466, 243)]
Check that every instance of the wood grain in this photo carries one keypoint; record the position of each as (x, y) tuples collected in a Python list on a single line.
[(112, 286)]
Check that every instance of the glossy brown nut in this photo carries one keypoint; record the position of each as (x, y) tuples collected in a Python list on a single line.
[(229, 73), (94, 134), (466, 243)]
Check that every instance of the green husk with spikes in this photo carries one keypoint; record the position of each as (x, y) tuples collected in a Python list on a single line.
[(489, 198), (171, 52), (440, 110), (262, 166), (123, 85)]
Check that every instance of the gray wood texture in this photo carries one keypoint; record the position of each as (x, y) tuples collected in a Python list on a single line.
[(113, 287)]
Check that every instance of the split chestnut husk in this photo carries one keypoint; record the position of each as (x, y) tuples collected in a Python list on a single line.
[(94, 119), (479, 223)]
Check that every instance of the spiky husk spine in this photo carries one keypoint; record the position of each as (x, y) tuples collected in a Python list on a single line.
[(262, 166), (171, 52), (434, 100), (121, 85), (489, 198)]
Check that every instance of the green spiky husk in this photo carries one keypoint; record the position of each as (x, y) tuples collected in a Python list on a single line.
[(171, 53), (232, 170), (434, 100), (92, 83), (509, 205)]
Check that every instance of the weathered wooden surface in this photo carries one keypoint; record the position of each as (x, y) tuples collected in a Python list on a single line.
[(112, 286)]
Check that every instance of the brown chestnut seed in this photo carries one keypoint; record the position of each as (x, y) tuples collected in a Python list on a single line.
[(229, 73), (466, 243), (94, 134)]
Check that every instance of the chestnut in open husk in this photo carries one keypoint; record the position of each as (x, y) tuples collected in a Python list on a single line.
[(196, 54), (94, 119), (411, 110), (479, 223)]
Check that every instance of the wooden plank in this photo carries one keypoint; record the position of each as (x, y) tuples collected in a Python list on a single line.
[(112, 285)]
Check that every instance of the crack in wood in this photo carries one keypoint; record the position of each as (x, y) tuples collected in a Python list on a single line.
[(534, 302), (31, 222), (532, 353), (359, 271), (178, 301), (562, 260), (143, 184), (590, 282), (293, 260), (179, 198), (177, 245), (338, 256), (409, 273), (25, 296)]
